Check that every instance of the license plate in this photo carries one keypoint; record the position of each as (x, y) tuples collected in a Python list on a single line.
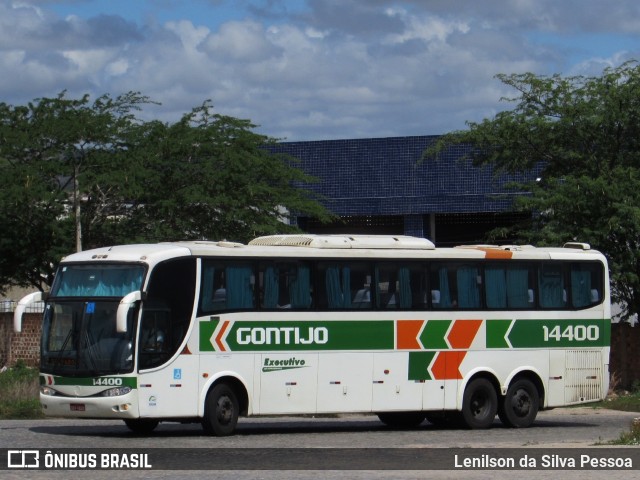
[(77, 407)]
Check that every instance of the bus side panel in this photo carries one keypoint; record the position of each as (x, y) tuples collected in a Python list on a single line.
[(171, 391), (393, 389), (578, 376), (344, 382), (215, 367), (288, 383), (555, 390)]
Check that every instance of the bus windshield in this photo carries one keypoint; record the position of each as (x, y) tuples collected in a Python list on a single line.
[(79, 328), (80, 339), (97, 280)]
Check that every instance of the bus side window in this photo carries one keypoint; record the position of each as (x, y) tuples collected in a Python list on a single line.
[(468, 281), (400, 286), (551, 286), (440, 290), (226, 285), (508, 286), (586, 284), (343, 286), (285, 285)]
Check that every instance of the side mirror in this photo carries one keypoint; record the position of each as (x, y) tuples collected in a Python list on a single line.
[(127, 302), (22, 306)]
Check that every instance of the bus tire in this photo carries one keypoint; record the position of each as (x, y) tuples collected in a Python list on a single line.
[(520, 405), (479, 404), (141, 426), (221, 411), (401, 419)]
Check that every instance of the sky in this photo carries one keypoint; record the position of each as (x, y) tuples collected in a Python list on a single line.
[(309, 69)]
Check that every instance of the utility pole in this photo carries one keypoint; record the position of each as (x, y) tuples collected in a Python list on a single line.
[(76, 207)]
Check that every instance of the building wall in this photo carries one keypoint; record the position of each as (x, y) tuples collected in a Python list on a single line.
[(625, 361), (370, 178), (20, 346)]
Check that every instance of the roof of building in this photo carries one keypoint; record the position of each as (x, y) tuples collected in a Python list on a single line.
[(388, 176)]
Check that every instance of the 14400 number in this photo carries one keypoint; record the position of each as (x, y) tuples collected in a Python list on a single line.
[(111, 382), (572, 333)]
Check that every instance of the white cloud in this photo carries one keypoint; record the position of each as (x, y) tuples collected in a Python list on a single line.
[(335, 69)]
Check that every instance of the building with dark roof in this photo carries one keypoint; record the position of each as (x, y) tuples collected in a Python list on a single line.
[(385, 186)]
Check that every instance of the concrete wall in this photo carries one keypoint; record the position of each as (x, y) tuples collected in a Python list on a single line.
[(20, 346)]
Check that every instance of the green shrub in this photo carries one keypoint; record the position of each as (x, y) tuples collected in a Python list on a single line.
[(19, 392)]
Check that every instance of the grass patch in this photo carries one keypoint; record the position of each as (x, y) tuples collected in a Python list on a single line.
[(632, 437), (19, 393), (625, 401)]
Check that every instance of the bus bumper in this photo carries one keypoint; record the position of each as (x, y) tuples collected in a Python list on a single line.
[(117, 407)]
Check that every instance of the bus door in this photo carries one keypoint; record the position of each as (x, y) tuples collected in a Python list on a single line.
[(168, 372)]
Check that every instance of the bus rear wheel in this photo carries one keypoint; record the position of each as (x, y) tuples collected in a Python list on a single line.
[(520, 405), (479, 404), (221, 411)]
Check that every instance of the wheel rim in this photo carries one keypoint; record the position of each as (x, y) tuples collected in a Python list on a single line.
[(480, 405), (224, 410), (521, 403)]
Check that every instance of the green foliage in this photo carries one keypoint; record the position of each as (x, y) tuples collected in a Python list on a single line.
[(88, 174), (19, 393), (584, 135), (209, 176)]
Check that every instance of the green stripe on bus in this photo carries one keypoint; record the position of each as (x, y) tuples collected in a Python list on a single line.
[(269, 336), (206, 332), (419, 365), (527, 333), (433, 335), (108, 381), (497, 333)]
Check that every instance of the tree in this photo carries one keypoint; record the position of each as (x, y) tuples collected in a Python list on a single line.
[(81, 174), (209, 176), (583, 135), (57, 154)]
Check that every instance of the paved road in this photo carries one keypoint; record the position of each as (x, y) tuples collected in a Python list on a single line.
[(561, 428)]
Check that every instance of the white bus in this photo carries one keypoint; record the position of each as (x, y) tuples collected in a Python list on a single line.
[(311, 324)]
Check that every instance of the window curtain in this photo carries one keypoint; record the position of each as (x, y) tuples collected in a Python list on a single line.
[(580, 288), (551, 286), (338, 289), (300, 288), (271, 287), (468, 291), (445, 294), (496, 286), (404, 280), (108, 282), (239, 290), (518, 288)]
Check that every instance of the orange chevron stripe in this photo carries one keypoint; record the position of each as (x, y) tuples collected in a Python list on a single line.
[(463, 332), (220, 335), (447, 365), (493, 253), (407, 334)]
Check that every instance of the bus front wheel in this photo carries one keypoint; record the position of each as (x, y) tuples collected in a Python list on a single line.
[(479, 404), (221, 411), (520, 406)]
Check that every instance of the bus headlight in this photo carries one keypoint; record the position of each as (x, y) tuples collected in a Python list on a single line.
[(48, 391), (116, 392)]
